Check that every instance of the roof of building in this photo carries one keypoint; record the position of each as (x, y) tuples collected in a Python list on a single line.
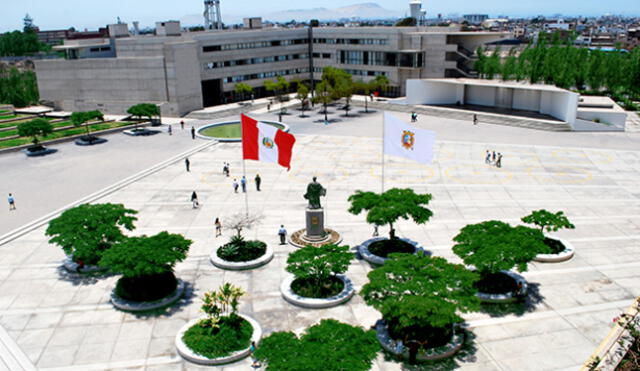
[(501, 84)]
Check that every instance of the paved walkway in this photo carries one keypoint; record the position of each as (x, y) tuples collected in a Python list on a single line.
[(62, 322)]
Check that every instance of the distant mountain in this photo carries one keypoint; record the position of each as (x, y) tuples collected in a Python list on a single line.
[(358, 11)]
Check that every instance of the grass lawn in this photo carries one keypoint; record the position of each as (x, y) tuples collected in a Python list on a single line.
[(228, 131), (62, 134), (18, 122), (3, 111), (7, 117), (9, 133)]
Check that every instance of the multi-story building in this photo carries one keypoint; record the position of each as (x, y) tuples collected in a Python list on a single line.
[(193, 70)]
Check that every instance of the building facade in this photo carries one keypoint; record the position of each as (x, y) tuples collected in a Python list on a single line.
[(189, 71)]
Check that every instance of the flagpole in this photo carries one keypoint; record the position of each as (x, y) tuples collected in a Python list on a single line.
[(383, 121), (244, 172)]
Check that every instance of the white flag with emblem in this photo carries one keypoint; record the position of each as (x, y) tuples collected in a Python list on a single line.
[(403, 140)]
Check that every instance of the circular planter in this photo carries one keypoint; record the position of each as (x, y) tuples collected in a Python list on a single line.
[(140, 132), (72, 267), (44, 151), (445, 351), (315, 303), (373, 259), (300, 240), (191, 356), (142, 306), (563, 255), (508, 297), (285, 128), (97, 140), (236, 266)]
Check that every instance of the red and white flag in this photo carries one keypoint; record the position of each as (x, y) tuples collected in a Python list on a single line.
[(264, 142)]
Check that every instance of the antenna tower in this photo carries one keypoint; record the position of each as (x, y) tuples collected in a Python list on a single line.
[(212, 16)]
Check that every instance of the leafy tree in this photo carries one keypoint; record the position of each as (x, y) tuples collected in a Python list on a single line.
[(345, 90), (366, 88), (417, 291), (146, 255), (481, 64), (18, 43), (302, 95), (548, 221), (148, 110), (407, 22), (329, 345), (381, 82), (87, 231), (242, 89), (493, 246), (18, 88), (388, 207), (34, 128), (314, 23), (324, 96), (319, 264), (278, 87), (493, 66), (79, 118)]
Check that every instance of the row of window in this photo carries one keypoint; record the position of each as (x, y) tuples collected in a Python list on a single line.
[(264, 75), (253, 45), (356, 72), (350, 41), (322, 55), (391, 59), (101, 49), (243, 62)]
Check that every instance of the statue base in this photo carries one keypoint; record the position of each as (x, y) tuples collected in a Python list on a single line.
[(315, 225), (300, 238)]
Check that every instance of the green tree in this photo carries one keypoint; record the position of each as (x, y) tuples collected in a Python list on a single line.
[(481, 64), (87, 231), (35, 128), (317, 265), (146, 255), (417, 292), (80, 118), (407, 22), (18, 88), (242, 89), (278, 87), (329, 345), (509, 68), (493, 246), (324, 96), (365, 88), (388, 207), (545, 220), (344, 89), (18, 43), (302, 95), (381, 82), (148, 110), (493, 66)]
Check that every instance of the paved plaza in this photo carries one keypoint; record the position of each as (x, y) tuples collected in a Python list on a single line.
[(59, 321)]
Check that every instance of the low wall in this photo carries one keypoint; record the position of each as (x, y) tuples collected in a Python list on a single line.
[(609, 120)]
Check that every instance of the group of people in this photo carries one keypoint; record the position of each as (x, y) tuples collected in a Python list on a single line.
[(493, 159), (243, 183)]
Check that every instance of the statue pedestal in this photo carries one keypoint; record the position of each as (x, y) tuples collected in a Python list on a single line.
[(315, 225)]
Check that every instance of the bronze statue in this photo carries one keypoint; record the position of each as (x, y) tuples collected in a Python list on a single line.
[(314, 191)]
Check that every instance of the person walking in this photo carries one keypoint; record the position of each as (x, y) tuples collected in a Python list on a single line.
[(194, 200), (181, 125), (269, 107), (228, 171), (224, 168), (218, 227), (235, 185), (499, 160), (169, 130), (243, 183), (252, 349), (487, 160), (187, 163), (375, 231), (283, 235), (258, 181), (475, 119), (399, 349), (493, 156), (193, 133), (12, 202)]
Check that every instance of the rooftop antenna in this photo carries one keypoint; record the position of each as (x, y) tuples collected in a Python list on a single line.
[(212, 16)]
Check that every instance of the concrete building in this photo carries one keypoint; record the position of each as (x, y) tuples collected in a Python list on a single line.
[(475, 18), (193, 70)]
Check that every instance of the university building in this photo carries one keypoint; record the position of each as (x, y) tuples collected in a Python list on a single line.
[(186, 71)]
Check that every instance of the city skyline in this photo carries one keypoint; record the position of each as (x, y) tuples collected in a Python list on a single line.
[(77, 14)]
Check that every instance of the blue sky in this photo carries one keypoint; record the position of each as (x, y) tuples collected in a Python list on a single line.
[(91, 14)]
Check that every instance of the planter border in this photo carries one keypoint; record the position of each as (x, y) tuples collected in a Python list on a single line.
[(81, 142), (285, 128), (143, 306), (139, 132), (508, 297), (255, 263), (185, 352), (326, 241), (317, 303), (43, 152), (564, 255), (376, 260), (72, 267), (444, 351)]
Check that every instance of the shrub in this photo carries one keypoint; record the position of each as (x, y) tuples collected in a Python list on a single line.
[(87, 231), (327, 346), (493, 246), (548, 221), (388, 207), (239, 250), (315, 268), (420, 296)]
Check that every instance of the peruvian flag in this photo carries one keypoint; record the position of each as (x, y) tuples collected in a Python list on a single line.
[(264, 142)]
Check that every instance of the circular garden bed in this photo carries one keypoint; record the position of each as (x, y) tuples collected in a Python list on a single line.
[(501, 287), (376, 250), (308, 295), (231, 131), (443, 342), (298, 238), (147, 292), (561, 250), (35, 151), (262, 256), (230, 343), (89, 140)]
